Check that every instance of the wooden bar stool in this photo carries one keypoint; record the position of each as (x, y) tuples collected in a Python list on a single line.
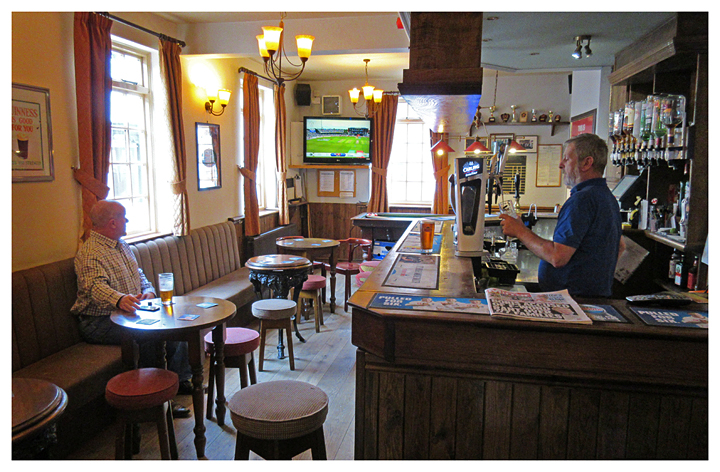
[(142, 396), (239, 346), (279, 420), (275, 313), (311, 290)]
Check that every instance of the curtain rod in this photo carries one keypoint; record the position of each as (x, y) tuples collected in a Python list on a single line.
[(154, 33), (242, 70)]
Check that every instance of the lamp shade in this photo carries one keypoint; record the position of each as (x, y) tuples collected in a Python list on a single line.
[(515, 147), (441, 147), (223, 97), (377, 95), (368, 91), (304, 45), (354, 95), (261, 45), (477, 147), (272, 38)]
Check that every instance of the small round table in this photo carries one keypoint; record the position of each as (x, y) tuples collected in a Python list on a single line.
[(312, 248), (280, 272), (36, 406)]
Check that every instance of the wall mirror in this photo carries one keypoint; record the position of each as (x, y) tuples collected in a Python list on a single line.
[(207, 137)]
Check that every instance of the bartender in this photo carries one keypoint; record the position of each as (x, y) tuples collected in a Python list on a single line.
[(587, 241)]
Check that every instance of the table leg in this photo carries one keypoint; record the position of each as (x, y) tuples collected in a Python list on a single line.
[(196, 354), (219, 343), (280, 345), (296, 299), (333, 264)]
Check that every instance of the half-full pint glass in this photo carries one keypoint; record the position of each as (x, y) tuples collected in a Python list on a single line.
[(427, 230), (166, 285)]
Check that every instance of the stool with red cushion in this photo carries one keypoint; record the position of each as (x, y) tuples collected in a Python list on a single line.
[(311, 290), (369, 266), (239, 346), (361, 277), (349, 267), (142, 396)]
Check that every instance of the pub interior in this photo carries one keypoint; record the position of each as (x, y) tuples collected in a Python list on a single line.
[(210, 181)]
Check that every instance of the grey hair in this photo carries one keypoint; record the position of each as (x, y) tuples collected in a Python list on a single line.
[(104, 211), (592, 145)]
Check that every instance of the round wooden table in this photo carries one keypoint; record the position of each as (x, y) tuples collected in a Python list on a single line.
[(312, 248), (36, 406), (280, 273), (171, 326)]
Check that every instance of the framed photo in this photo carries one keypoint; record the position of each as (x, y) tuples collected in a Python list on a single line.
[(208, 156), (530, 143), (484, 141), (503, 136), (32, 151), (583, 123)]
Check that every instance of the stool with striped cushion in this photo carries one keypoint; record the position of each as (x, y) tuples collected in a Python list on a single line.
[(275, 313), (362, 277), (141, 396), (239, 346), (311, 290), (369, 266), (279, 420)]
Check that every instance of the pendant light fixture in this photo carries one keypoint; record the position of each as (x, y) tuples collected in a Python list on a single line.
[(272, 50), (369, 93)]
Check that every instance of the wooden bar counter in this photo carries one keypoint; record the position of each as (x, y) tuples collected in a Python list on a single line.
[(434, 385)]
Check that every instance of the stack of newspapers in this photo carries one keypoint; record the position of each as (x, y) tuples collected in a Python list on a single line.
[(545, 306)]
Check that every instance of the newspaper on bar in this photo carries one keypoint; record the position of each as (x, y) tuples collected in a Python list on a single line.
[(545, 306)]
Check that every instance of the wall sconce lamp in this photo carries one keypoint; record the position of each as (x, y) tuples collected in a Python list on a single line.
[(441, 147), (577, 53), (222, 97)]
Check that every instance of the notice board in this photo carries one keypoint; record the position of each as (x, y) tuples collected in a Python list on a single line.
[(336, 183)]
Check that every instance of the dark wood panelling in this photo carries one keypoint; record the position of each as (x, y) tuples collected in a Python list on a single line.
[(583, 423), (612, 425), (470, 421), (391, 390), (674, 427), (443, 414), (498, 409), (643, 421), (417, 417), (698, 437), (332, 220), (525, 421), (553, 422)]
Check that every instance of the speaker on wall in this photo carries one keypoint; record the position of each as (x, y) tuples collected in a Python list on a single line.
[(302, 95)]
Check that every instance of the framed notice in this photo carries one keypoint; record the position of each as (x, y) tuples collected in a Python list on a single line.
[(31, 155), (336, 183), (547, 172), (583, 123)]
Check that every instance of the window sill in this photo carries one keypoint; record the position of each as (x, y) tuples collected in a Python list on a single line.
[(139, 238)]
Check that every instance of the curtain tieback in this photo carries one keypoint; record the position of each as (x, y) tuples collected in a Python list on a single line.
[(247, 173), (380, 171), (179, 187), (281, 176), (89, 182), (442, 172)]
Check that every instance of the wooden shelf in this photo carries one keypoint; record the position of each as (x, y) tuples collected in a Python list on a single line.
[(552, 125), (329, 166)]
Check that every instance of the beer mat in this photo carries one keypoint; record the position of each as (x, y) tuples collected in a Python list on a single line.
[(411, 244), (206, 305), (605, 313), (188, 317), (414, 271), (147, 321), (672, 318), (387, 301)]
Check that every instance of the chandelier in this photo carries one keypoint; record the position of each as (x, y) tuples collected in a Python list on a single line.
[(272, 50), (370, 93)]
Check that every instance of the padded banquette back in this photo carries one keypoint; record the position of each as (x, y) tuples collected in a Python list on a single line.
[(41, 320), (206, 254)]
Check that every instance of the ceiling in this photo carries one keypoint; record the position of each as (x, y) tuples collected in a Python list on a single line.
[(514, 42)]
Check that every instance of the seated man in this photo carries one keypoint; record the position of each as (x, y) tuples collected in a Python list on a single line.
[(587, 241), (109, 278)]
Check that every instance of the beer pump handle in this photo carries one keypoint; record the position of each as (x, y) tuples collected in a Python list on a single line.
[(517, 186)]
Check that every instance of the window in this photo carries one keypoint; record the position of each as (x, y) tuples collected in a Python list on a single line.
[(410, 171), (130, 174)]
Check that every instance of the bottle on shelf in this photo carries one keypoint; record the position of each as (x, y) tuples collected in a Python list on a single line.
[(679, 272), (692, 277), (673, 262)]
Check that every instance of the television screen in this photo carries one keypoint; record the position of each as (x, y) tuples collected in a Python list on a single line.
[(336, 140)]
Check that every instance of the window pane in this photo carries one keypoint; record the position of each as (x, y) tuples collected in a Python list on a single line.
[(416, 133), (121, 181), (136, 151), (400, 136), (119, 151), (126, 68), (135, 111), (139, 180), (414, 174), (118, 109), (138, 214), (396, 192), (414, 191)]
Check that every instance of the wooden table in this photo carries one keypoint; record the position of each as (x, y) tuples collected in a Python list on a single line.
[(171, 328), (280, 273), (312, 248), (36, 406)]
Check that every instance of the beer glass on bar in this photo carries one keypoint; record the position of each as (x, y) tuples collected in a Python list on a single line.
[(427, 231), (166, 285)]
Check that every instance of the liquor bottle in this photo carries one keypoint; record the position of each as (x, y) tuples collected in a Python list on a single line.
[(658, 128), (679, 272), (673, 262), (692, 275)]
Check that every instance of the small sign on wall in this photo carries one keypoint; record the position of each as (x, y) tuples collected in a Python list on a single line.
[(336, 183), (583, 123)]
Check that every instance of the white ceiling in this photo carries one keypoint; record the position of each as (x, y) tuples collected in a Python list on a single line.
[(516, 42)]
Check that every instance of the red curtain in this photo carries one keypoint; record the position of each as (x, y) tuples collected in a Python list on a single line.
[(172, 78), (440, 168), (280, 154), (384, 131), (251, 127), (93, 85)]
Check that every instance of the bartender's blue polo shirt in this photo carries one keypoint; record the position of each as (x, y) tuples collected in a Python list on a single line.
[(589, 222)]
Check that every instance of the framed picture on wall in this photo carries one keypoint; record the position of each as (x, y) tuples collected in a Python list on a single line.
[(583, 123), (502, 136), (530, 143), (483, 141), (207, 137), (32, 150)]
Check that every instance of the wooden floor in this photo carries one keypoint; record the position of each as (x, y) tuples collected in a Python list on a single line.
[(327, 360)]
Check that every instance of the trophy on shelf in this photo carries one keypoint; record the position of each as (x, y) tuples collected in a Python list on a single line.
[(513, 107), (534, 117), (550, 116), (492, 117)]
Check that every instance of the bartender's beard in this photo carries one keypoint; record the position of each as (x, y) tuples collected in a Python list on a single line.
[(571, 176)]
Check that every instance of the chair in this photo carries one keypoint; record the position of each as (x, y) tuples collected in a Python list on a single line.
[(279, 420), (239, 346), (311, 291), (275, 313), (348, 268), (142, 396)]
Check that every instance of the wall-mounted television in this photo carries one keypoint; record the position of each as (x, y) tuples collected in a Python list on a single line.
[(336, 140)]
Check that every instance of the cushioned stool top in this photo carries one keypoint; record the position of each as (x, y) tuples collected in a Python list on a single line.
[(238, 341), (273, 309), (368, 266), (282, 409), (314, 282), (141, 388), (361, 277)]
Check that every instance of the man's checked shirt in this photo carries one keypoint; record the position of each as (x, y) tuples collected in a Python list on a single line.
[(106, 270)]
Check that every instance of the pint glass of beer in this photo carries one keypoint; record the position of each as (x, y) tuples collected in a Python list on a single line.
[(427, 231), (166, 285)]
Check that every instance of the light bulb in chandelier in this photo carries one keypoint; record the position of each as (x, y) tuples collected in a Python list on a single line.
[(273, 52)]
